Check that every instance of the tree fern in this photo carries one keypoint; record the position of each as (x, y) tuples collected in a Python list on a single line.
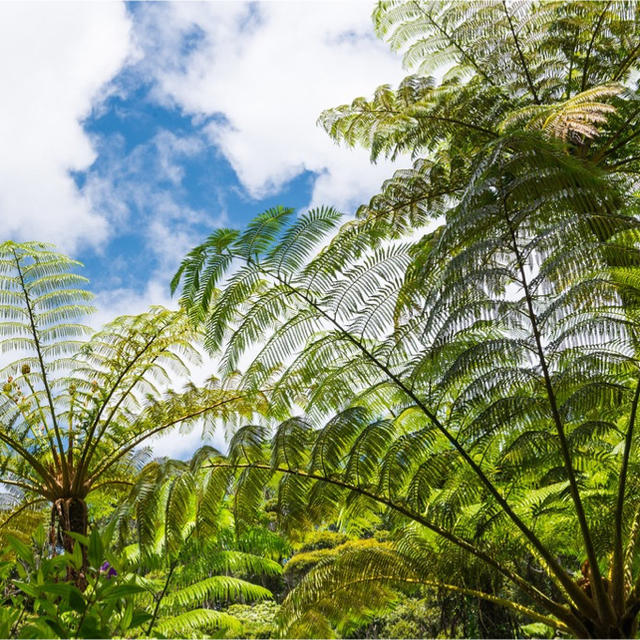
[(496, 355), (469, 346), (76, 406)]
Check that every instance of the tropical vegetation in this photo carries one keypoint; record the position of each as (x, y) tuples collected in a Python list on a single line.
[(431, 407)]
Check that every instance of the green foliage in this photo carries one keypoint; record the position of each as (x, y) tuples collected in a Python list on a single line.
[(38, 602), (186, 598), (410, 619), (464, 353), (456, 368), (258, 620)]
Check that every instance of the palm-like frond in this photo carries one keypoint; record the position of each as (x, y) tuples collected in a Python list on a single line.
[(219, 588), (184, 624), (502, 335), (496, 356)]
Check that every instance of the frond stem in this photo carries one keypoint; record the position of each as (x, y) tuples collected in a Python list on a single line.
[(520, 54), (134, 442), (161, 596), (44, 421), (620, 144), (32, 460), (108, 482), (514, 606), (572, 588), (604, 604), (618, 560), (90, 445), (112, 413), (45, 379), (22, 485), (624, 65), (455, 43), (590, 47), (603, 150)]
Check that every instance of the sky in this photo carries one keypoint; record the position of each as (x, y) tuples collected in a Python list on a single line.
[(131, 130)]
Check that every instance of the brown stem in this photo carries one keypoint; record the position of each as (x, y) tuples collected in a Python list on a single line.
[(618, 560), (603, 602)]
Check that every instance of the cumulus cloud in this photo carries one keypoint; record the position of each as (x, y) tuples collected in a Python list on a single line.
[(55, 59), (263, 73)]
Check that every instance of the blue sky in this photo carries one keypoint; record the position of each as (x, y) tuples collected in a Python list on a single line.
[(130, 131), (136, 140)]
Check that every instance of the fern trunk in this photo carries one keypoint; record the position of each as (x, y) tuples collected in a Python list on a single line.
[(72, 516)]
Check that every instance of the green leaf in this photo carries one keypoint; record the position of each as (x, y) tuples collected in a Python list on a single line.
[(95, 549), (139, 618), (120, 591), (22, 550), (68, 591), (29, 589)]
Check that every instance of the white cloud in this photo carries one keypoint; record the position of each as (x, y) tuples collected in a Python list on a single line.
[(112, 303), (55, 61), (269, 69), (143, 189), (142, 193), (180, 444)]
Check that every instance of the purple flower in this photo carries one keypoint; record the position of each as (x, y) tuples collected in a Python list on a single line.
[(110, 571)]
